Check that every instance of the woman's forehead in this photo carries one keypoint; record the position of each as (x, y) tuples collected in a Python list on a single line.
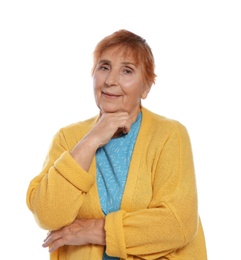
[(119, 51)]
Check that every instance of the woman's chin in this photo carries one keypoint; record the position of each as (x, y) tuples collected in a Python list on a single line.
[(111, 109)]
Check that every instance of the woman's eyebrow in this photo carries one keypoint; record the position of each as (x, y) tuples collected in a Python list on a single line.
[(125, 63), (104, 61), (128, 63)]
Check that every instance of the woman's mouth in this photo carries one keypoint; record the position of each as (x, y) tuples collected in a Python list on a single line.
[(111, 95)]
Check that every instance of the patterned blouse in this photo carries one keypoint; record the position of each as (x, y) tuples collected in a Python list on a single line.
[(112, 162)]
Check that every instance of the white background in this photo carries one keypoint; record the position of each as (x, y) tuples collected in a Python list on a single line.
[(45, 61)]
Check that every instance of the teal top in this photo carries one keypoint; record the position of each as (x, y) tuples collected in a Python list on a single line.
[(112, 162)]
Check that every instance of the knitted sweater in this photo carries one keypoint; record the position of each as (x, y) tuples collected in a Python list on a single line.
[(158, 218)]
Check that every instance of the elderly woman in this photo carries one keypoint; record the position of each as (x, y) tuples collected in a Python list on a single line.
[(120, 185)]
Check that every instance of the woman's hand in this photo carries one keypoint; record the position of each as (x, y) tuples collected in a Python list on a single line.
[(80, 232), (107, 126)]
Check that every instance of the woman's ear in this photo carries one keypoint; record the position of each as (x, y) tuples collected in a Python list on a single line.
[(146, 91)]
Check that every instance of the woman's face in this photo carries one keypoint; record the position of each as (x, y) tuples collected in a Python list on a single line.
[(118, 83)]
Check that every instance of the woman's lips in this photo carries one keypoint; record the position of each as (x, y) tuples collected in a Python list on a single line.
[(110, 94)]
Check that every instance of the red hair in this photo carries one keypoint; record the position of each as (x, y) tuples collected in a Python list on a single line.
[(130, 44)]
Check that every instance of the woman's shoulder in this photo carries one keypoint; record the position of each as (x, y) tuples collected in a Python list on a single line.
[(79, 126), (83, 123), (161, 126), (158, 120)]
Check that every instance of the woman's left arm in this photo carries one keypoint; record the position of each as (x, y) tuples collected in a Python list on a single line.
[(80, 232), (171, 219)]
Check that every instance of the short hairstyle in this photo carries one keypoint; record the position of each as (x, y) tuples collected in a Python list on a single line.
[(133, 45)]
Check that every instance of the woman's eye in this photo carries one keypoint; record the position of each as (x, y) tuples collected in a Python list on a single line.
[(127, 71), (103, 67)]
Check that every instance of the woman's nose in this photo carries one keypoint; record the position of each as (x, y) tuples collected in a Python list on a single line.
[(112, 78)]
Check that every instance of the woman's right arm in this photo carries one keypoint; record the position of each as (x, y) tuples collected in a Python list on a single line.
[(104, 130), (56, 195)]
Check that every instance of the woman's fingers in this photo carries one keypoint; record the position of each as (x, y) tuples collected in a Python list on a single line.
[(80, 232)]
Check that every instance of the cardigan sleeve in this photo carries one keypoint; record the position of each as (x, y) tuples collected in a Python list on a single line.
[(171, 220), (61, 183)]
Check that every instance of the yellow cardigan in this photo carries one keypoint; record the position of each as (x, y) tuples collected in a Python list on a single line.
[(158, 218)]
